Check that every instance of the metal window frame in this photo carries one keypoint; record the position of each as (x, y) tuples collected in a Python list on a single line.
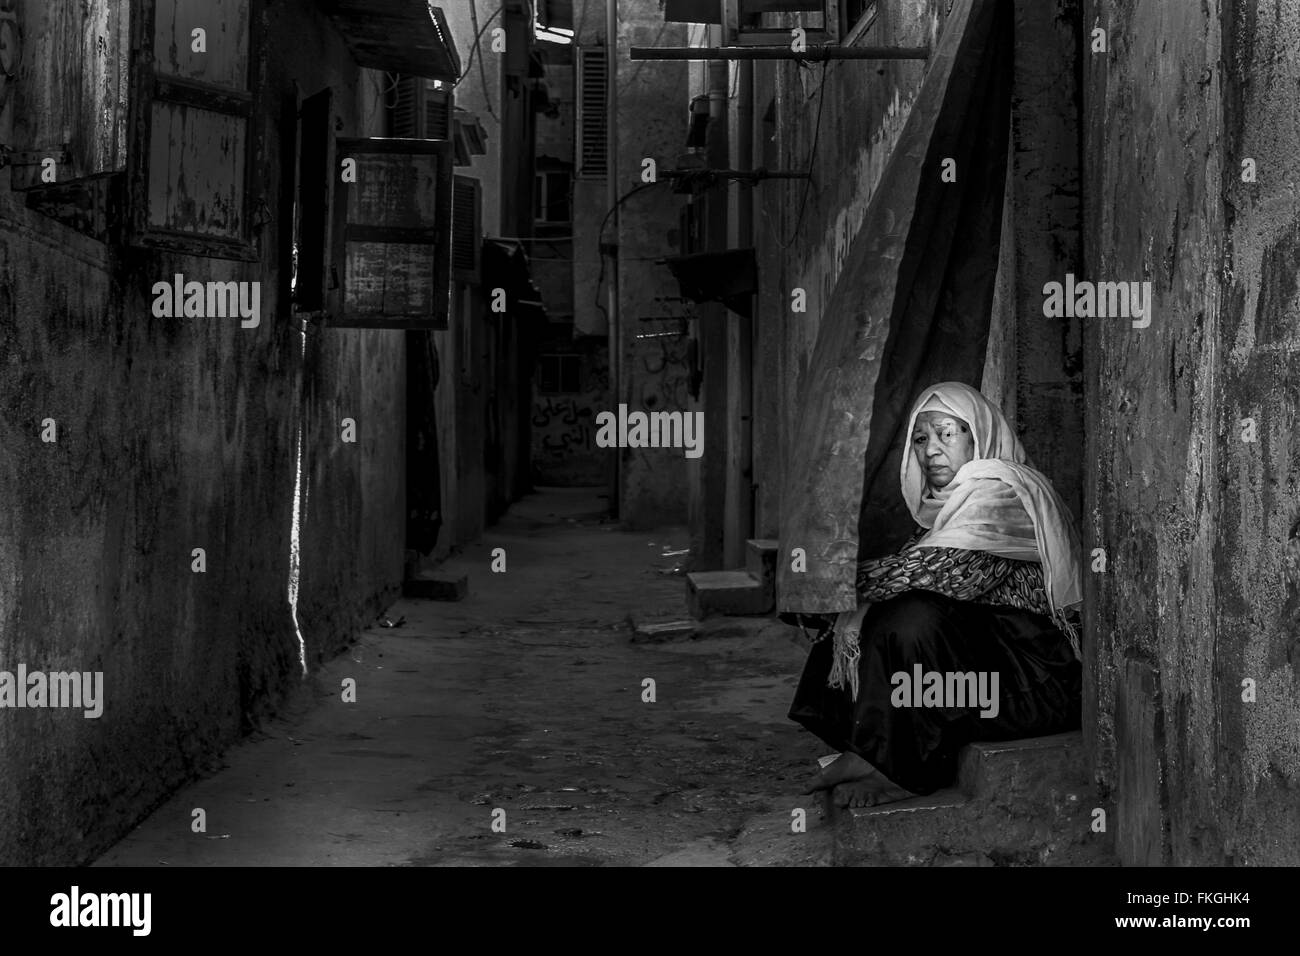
[(437, 237)]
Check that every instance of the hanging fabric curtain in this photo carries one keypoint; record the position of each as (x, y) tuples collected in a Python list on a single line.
[(911, 308)]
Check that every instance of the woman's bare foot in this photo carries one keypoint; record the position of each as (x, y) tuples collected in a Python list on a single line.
[(869, 792), (843, 769)]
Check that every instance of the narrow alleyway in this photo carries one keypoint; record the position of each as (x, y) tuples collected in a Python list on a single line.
[(526, 696)]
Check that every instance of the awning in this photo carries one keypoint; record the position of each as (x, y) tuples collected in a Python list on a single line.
[(505, 266), (400, 36), (729, 277)]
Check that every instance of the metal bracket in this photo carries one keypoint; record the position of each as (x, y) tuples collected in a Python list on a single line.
[(814, 53), (61, 154), (699, 180)]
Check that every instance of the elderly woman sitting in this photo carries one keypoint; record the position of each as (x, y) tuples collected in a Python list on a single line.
[(977, 597)]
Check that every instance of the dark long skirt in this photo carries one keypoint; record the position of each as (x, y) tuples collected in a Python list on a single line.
[(916, 747)]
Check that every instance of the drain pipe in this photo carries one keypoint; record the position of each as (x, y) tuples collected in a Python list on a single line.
[(611, 202)]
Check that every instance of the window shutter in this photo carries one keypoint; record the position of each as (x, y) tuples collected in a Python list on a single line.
[(391, 250), (402, 116), (466, 229), (420, 110), (189, 175), (591, 118), (314, 169), (437, 113)]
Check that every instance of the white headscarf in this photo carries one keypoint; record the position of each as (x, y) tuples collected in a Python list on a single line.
[(995, 502)]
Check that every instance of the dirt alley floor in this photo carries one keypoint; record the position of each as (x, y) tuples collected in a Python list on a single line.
[(527, 697)]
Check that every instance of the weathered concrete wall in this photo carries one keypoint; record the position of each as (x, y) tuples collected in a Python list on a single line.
[(653, 374), (1201, 589), (176, 434), (466, 349)]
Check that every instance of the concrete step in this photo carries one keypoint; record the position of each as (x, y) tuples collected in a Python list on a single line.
[(760, 560), (726, 592), (1017, 803)]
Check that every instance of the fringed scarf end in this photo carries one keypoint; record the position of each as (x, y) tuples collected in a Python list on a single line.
[(1071, 632), (844, 657)]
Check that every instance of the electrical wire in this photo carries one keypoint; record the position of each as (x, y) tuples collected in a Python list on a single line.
[(600, 279), (478, 49), (812, 158), (478, 35), (627, 84)]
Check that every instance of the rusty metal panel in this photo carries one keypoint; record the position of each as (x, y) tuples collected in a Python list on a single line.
[(391, 279), (196, 159), (225, 24), (402, 36), (397, 191)]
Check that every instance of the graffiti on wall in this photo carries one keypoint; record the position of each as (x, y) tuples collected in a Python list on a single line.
[(665, 374), (564, 450), (563, 424)]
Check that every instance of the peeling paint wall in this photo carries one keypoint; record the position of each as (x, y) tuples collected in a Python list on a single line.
[(176, 434), (1201, 589)]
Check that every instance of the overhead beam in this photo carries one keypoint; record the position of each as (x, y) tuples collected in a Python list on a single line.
[(780, 53)]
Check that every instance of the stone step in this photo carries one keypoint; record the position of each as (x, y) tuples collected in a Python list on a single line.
[(1015, 803), (726, 592), (1022, 774), (760, 560)]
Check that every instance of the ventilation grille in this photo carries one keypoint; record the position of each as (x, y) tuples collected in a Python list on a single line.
[(591, 128), (465, 202)]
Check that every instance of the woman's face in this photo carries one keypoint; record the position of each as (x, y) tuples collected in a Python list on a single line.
[(942, 443)]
